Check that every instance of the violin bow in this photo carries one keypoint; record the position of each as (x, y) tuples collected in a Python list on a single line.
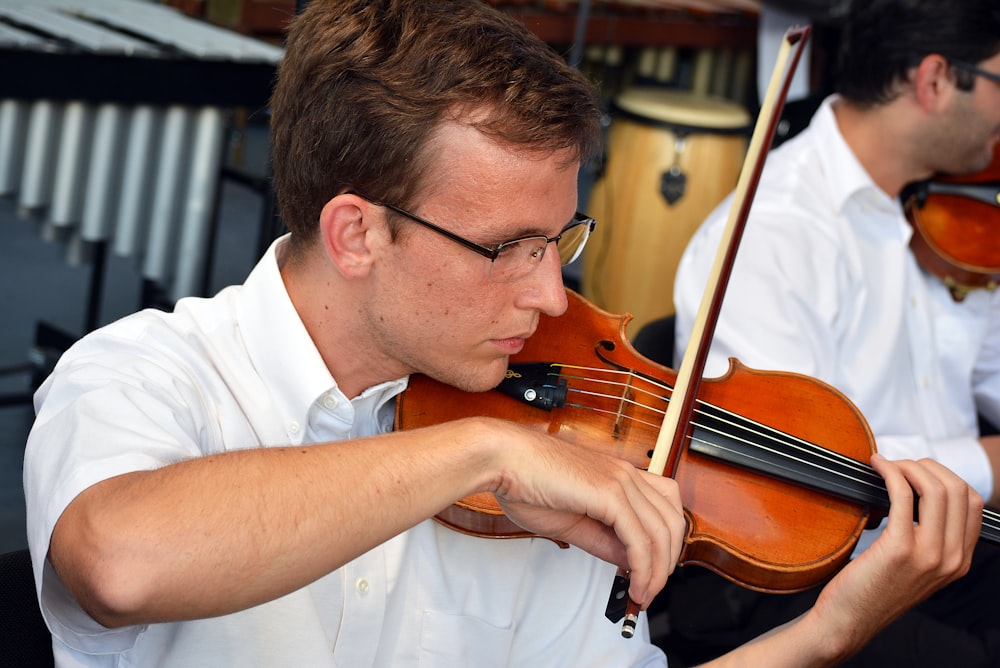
[(677, 419)]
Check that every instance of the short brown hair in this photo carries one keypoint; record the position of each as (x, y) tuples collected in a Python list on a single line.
[(365, 82)]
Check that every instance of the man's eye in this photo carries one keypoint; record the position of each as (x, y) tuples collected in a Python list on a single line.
[(508, 247)]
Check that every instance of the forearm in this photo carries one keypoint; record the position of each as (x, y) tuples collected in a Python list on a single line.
[(800, 643), (218, 534)]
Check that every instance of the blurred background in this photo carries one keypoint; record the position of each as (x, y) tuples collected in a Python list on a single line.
[(134, 155)]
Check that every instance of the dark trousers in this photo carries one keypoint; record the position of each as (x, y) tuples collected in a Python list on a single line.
[(957, 626)]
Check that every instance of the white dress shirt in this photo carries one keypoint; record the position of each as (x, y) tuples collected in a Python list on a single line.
[(824, 284), (240, 371)]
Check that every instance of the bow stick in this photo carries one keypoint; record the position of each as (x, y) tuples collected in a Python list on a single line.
[(676, 421)]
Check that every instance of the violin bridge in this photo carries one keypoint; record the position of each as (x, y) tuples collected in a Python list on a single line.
[(626, 400)]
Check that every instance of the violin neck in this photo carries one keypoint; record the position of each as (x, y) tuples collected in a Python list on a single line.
[(718, 434)]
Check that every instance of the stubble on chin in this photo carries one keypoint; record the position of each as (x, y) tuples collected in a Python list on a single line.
[(474, 378)]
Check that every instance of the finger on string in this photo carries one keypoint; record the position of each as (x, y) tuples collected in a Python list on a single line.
[(964, 513), (901, 495)]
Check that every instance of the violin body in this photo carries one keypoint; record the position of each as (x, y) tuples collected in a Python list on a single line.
[(956, 228), (755, 529)]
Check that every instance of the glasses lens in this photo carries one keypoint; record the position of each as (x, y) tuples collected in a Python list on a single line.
[(572, 241), (517, 258)]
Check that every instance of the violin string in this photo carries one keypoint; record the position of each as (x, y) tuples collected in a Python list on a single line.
[(991, 518), (869, 478), (627, 386), (849, 468)]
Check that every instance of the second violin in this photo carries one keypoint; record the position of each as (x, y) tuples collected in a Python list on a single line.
[(956, 228)]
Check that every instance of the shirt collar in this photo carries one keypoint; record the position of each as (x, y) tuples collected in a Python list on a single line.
[(839, 159), (281, 349), (853, 185)]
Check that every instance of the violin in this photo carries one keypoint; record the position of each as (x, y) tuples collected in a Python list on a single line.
[(956, 228), (775, 486), (770, 465)]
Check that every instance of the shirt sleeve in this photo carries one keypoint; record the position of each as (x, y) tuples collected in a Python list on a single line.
[(986, 377), (108, 409)]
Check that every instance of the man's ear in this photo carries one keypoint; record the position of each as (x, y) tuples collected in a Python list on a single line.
[(350, 229), (933, 82)]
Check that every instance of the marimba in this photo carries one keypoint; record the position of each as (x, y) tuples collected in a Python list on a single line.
[(113, 118)]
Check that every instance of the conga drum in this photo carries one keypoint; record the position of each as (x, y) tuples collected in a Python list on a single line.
[(672, 157)]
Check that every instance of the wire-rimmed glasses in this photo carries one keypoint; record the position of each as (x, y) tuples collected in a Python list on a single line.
[(513, 260)]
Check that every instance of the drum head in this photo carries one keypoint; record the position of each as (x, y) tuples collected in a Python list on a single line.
[(683, 110)]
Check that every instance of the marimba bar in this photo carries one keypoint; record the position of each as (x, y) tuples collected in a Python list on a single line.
[(113, 117)]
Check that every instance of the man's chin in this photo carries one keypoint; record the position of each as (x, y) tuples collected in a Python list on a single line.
[(486, 379)]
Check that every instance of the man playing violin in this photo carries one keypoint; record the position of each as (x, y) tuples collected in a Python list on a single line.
[(825, 284), (221, 485)]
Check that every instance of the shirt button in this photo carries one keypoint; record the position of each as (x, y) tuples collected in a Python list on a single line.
[(362, 586), (330, 401), (293, 427)]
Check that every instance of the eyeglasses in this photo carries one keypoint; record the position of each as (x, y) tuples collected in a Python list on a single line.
[(978, 71), (513, 260)]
